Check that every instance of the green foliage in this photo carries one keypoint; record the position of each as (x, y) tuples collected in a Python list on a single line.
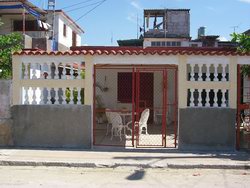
[(8, 44), (68, 94), (243, 41)]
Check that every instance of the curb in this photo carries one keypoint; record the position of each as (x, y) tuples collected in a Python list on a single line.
[(116, 165)]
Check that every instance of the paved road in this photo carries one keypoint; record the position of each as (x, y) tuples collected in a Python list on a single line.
[(32, 177)]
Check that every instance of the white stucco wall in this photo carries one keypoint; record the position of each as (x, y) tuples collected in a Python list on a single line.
[(60, 38)]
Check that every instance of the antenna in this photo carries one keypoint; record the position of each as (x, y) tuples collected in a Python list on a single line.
[(234, 27)]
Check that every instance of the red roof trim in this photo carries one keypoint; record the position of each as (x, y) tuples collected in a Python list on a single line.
[(101, 50)]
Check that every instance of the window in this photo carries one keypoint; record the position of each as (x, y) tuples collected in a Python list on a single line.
[(163, 44), (178, 43), (30, 25), (158, 43), (173, 43), (73, 38), (65, 30), (153, 43), (168, 43), (124, 88)]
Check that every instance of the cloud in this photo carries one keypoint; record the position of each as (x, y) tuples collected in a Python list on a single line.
[(132, 18), (211, 9), (136, 5), (221, 38), (244, 1)]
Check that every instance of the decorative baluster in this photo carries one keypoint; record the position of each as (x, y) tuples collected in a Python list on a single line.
[(208, 72), (79, 95), (191, 97), (223, 99), (200, 97), (71, 96), (33, 71), (26, 71), (41, 96), (79, 70), (56, 96), (42, 71), (200, 72), (215, 98), (224, 72), (49, 70), (56, 71), (216, 72), (207, 104), (34, 95), (64, 96), (71, 71), (64, 71), (49, 95), (26, 96), (192, 72)]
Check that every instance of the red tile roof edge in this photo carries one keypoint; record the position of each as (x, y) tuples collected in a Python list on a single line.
[(112, 50)]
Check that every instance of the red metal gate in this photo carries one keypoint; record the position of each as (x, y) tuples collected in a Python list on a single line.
[(127, 91), (243, 111)]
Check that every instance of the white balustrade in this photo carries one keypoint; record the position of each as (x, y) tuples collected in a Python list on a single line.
[(41, 96), (46, 82), (79, 96), (223, 100), (208, 72), (56, 76), (219, 99), (192, 97), (215, 98), (79, 70), (192, 72), (64, 96), (211, 69), (200, 72), (207, 104), (71, 96), (216, 72), (26, 96), (56, 96), (200, 97)]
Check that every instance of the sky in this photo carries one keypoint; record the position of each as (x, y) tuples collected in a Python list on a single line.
[(117, 19)]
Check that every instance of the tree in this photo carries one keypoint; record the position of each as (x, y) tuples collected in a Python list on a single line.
[(243, 42), (8, 44)]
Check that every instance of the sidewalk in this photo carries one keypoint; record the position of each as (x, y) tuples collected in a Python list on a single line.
[(149, 158)]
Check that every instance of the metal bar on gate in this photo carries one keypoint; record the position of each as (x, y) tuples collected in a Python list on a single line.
[(164, 123), (137, 104), (175, 107), (94, 106), (239, 86), (133, 106)]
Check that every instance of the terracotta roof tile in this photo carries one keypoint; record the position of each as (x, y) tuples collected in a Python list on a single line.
[(101, 50)]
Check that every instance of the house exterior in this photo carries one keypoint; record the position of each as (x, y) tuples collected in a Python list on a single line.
[(193, 94), (39, 24)]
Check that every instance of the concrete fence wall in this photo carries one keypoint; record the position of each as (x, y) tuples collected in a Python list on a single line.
[(60, 126), (5, 114), (207, 129)]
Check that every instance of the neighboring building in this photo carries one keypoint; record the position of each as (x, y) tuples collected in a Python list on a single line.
[(166, 27), (247, 32), (37, 25), (171, 28), (66, 32)]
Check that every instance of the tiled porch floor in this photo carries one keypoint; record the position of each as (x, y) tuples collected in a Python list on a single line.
[(153, 139)]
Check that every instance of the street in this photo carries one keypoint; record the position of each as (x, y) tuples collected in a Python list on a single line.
[(31, 177)]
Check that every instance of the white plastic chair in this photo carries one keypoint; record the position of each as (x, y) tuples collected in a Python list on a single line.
[(117, 125), (107, 112), (142, 124)]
